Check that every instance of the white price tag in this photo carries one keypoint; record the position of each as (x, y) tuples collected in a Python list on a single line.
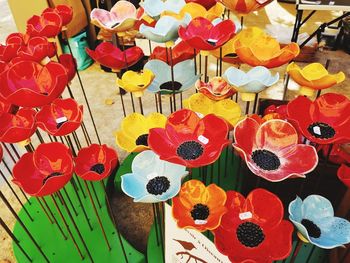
[(203, 139), (61, 119), (245, 215), (317, 130), (212, 40), (200, 222)]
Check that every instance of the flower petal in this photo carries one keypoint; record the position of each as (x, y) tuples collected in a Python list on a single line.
[(316, 207), (134, 185), (244, 134)]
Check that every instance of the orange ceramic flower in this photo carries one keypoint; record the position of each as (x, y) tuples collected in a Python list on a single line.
[(199, 207), (216, 89), (244, 6)]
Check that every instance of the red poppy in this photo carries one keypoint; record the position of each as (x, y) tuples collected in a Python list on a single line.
[(36, 49), (253, 229), (29, 84), (323, 121), (4, 106), (69, 62), (3, 67), (64, 11), (205, 3), (44, 171), (203, 35), (180, 52), (340, 153), (96, 162), (13, 43), (17, 127), (112, 57), (344, 174), (61, 117), (271, 150), (276, 112), (47, 25), (189, 140)]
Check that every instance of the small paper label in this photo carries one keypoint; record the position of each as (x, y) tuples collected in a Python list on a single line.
[(245, 215), (61, 119), (203, 139), (317, 130), (213, 40), (200, 115), (200, 222)]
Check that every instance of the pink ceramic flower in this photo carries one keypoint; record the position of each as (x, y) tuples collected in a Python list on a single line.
[(216, 89)]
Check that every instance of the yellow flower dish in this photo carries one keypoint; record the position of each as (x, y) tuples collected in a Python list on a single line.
[(136, 82), (226, 109), (133, 133), (313, 77)]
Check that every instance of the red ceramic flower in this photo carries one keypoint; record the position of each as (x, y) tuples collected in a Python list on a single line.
[(323, 121), (344, 174), (64, 11), (47, 25), (110, 56), (339, 154), (29, 84), (17, 127), (253, 229), (271, 150), (44, 171), (216, 89), (36, 49), (205, 3), (276, 112), (180, 52), (201, 34), (96, 162), (69, 62), (61, 117), (4, 106), (13, 43), (189, 140)]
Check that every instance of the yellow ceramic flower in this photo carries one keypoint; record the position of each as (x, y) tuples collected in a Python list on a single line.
[(226, 109), (313, 77), (133, 133), (136, 82)]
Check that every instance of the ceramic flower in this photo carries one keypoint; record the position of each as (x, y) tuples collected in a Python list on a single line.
[(271, 150), (120, 18), (184, 76), (276, 112), (47, 25), (323, 121), (12, 44), (244, 6), (255, 48), (69, 63), (199, 207), (136, 82), (254, 81), (180, 52), (61, 117), (202, 34), (95, 162), (44, 171), (343, 174), (205, 3), (154, 8), (165, 30), (226, 109), (112, 57), (4, 106), (64, 11), (314, 218), (253, 229), (36, 49), (189, 140), (216, 89), (313, 77), (17, 127), (152, 180), (336, 153), (134, 130)]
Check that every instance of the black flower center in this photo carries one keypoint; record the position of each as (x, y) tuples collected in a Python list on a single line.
[(58, 125), (98, 168), (142, 140), (321, 130), (169, 85), (266, 160), (312, 229), (51, 175), (200, 212), (190, 150), (250, 234), (158, 185)]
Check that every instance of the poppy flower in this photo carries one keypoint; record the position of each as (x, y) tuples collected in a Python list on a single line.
[(13, 43), (69, 63), (47, 25), (134, 130), (205, 3), (339, 153), (255, 48), (64, 11), (61, 117), (216, 89), (244, 6), (36, 49), (254, 81), (313, 77), (44, 171), (343, 174), (29, 84), (154, 8), (279, 111), (184, 76), (199, 207), (136, 82), (121, 17), (17, 127), (202, 34), (95, 162), (4, 106), (314, 218), (226, 109), (112, 57), (323, 121), (180, 52), (154, 183), (189, 140), (253, 229), (271, 150)]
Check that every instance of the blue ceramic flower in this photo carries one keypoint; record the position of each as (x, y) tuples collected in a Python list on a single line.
[(154, 8), (166, 29), (184, 76), (315, 220), (152, 180)]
